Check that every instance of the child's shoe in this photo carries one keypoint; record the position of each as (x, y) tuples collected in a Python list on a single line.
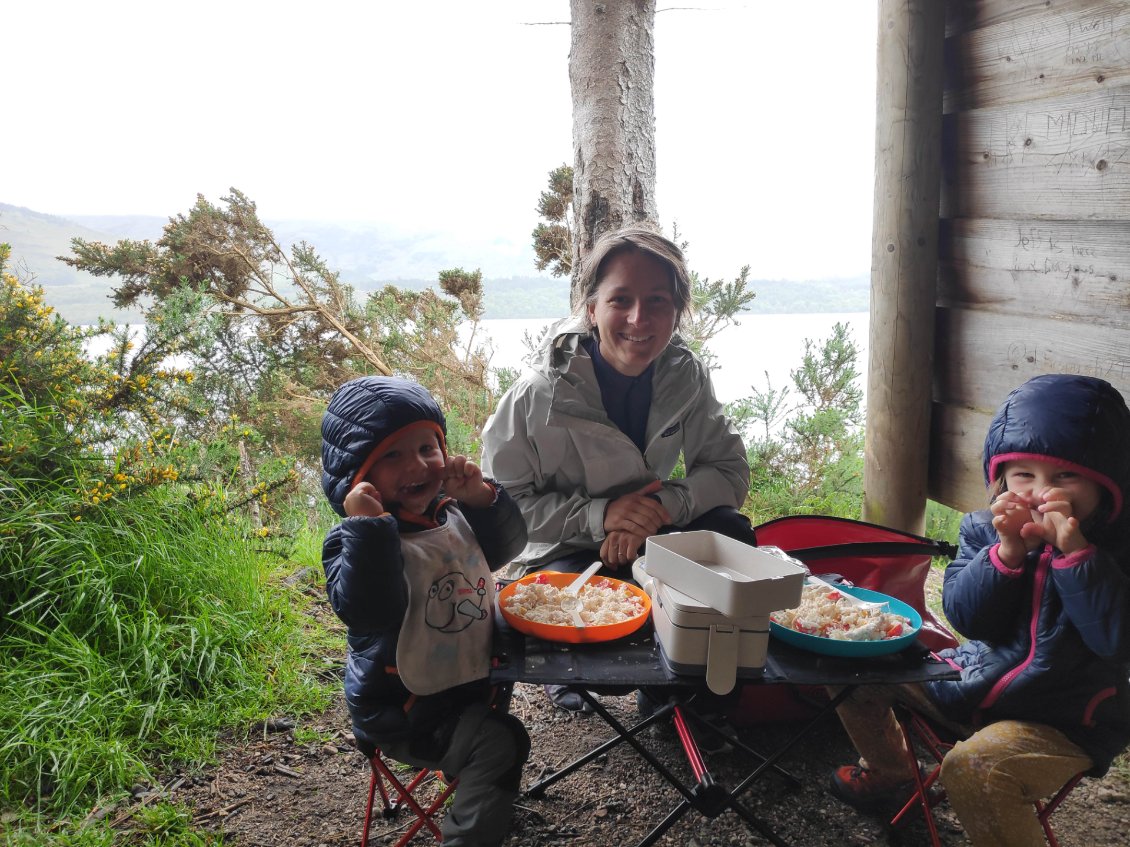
[(857, 786)]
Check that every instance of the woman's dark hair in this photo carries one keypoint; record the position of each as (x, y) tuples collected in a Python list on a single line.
[(638, 239)]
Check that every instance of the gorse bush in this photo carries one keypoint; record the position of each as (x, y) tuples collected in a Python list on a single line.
[(133, 620)]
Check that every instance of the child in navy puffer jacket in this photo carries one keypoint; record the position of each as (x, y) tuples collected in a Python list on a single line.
[(409, 572), (1041, 588)]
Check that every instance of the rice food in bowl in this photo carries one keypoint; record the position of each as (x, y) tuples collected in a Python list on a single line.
[(609, 608), (878, 626), (830, 613)]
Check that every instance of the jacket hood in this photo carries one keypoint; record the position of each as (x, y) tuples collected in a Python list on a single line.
[(1079, 422), (361, 416), (562, 339)]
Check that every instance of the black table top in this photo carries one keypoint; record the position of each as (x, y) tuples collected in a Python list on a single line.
[(635, 661)]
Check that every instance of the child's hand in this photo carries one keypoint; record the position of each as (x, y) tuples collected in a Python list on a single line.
[(1058, 526), (1011, 513), (463, 480), (364, 500)]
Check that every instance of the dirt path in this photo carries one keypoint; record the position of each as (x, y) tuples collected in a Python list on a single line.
[(268, 791)]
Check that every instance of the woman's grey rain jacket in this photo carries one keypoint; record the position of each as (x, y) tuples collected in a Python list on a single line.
[(554, 448)]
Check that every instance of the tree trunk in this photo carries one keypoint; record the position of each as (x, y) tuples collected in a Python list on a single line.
[(904, 262), (612, 76), (248, 474)]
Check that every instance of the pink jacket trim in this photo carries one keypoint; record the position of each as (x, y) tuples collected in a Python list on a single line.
[(995, 558), (1037, 594), (1100, 696), (1076, 558)]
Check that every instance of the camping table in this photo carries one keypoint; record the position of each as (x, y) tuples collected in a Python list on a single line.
[(624, 665)]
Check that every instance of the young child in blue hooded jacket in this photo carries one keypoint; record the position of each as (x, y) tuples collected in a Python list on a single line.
[(409, 572), (1041, 588)]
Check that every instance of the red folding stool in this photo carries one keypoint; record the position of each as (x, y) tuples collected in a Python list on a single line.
[(395, 795), (928, 793)]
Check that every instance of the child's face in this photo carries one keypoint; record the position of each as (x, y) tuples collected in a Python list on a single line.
[(1030, 477), (409, 471)]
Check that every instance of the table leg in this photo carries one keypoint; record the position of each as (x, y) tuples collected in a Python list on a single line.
[(767, 763), (733, 741), (537, 790), (771, 760)]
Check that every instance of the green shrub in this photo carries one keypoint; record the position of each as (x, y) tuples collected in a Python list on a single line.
[(135, 616)]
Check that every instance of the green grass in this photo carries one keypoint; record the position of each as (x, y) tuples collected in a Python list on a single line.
[(128, 640)]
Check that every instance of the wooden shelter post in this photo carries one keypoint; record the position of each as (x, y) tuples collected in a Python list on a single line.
[(904, 263)]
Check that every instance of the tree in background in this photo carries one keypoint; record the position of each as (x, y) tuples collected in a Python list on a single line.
[(553, 241), (806, 456), (612, 77), (271, 333)]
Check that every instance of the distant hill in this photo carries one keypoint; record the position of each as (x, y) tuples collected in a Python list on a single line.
[(36, 240), (366, 258)]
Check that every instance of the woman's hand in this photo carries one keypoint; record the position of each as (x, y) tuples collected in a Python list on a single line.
[(463, 480), (363, 500), (1011, 513), (1057, 525), (637, 513), (621, 548)]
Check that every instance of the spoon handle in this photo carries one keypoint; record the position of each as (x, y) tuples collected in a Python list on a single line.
[(575, 586)]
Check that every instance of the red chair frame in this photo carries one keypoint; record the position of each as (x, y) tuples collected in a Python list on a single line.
[(395, 795), (928, 793)]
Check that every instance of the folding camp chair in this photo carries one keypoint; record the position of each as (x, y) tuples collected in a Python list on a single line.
[(395, 795), (928, 793)]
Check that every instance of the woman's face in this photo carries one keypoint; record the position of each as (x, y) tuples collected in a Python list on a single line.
[(634, 311)]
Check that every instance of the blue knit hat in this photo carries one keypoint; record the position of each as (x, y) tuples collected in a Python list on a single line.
[(362, 415), (1078, 422)]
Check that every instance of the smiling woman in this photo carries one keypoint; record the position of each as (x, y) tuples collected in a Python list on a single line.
[(587, 443), (588, 440)]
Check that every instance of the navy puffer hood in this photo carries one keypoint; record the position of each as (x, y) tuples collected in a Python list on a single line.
[(1080, 422), (361, 415)]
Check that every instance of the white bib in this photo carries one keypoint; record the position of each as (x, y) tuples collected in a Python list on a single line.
[(445, 639)]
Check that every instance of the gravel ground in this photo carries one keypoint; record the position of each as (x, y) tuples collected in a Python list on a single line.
[(267, 790)]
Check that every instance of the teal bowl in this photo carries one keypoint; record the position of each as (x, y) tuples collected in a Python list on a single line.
[(833, 647)]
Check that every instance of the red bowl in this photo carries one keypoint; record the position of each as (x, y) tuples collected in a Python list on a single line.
[(571, 634)]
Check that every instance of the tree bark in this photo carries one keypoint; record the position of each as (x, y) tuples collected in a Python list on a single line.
[(612, 78), (248, 474)]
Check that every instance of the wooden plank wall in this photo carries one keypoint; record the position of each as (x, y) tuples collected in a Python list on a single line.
[(1034, 236)]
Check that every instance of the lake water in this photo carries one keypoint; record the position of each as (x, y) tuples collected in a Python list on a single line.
[(745, 352)]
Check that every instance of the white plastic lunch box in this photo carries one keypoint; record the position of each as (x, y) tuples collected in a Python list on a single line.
[(696, 639), (739, 580), (710, 602)]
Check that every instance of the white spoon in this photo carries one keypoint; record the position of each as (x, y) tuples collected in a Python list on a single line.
[(571, 603), (574, 587), (850, 598)]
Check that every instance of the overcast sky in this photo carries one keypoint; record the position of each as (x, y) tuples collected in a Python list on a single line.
[(443, 116)]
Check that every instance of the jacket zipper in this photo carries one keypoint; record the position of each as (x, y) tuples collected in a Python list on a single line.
[(1037, 602)]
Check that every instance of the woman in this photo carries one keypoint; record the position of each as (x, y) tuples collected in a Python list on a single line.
[(587, 440)]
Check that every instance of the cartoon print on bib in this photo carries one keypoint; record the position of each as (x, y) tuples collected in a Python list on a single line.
[(446, 635), (454, 603)]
